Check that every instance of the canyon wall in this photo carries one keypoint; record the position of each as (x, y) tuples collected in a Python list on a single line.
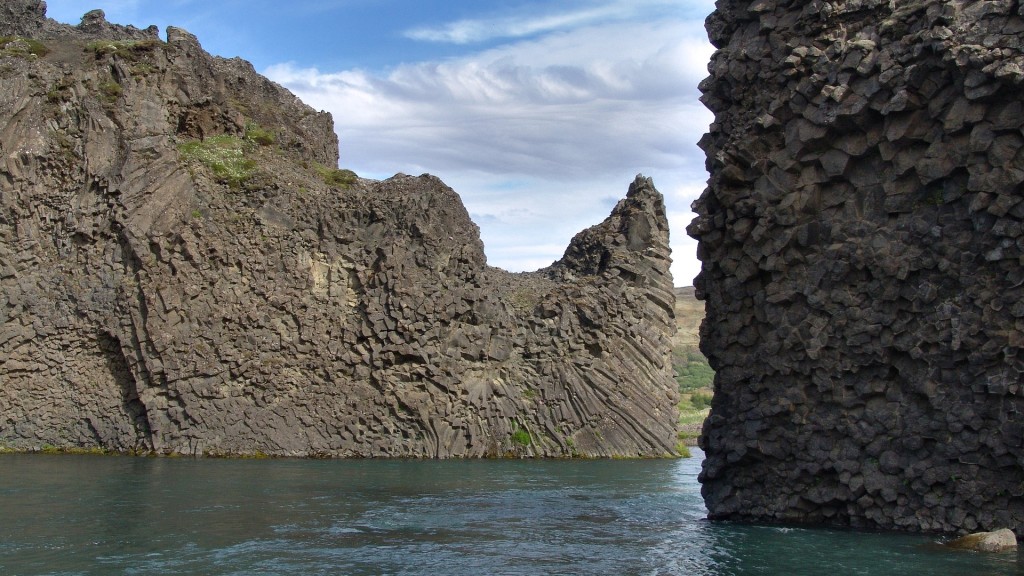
[(183, 269), (862, 239)]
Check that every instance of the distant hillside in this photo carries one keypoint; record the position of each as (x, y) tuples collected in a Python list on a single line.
[(689, 314), (690, 368)]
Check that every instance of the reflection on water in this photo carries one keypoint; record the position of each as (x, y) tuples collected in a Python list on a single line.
[(117, 515)]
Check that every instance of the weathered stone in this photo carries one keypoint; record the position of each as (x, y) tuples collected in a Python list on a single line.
[(1002, 540), (151, 303), (863, 281)]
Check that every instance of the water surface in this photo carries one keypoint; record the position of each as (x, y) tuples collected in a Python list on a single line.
[(88, 515)]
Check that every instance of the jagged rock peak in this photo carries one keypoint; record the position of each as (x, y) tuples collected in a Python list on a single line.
[(28, 18), (185, 270), (638, 224)]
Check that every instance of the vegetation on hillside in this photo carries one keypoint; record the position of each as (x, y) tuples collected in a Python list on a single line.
[(224, 155), (691, 370), (21, 47), (342, 178)]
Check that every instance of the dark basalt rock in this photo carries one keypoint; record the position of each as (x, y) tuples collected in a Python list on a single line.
[(149, 302), (862, 239)]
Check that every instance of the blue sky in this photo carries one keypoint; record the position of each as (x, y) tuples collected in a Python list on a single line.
[(538, 113)]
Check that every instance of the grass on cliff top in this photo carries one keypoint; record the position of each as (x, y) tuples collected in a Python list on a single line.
[(126, 48), (22, 47)]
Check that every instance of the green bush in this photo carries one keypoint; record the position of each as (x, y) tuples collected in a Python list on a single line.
[(337, 177), (521, 437), (692, 370), (224, 155), (700, 400)]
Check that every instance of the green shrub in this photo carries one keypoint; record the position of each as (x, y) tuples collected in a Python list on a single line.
[(111, 91), (700, 400), (224, 155), (521, 437), (22, 47), (692, 370), (337, 177)]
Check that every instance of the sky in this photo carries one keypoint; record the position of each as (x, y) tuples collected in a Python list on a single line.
[(539, 113)]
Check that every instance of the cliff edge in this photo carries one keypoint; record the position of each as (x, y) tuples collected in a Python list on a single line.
[(183, 269), (862, 239)]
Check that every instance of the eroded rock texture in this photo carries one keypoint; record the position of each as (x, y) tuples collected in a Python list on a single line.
[(863, 263), (151, 302)]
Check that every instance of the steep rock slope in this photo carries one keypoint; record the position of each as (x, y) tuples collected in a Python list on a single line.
[(863, 263), (183, 270)]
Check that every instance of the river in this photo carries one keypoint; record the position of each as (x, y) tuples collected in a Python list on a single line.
[(103, 515)]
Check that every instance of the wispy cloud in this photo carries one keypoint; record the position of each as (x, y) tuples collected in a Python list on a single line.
[(513, 25), (467, 31), (536, 135), (560, 107)]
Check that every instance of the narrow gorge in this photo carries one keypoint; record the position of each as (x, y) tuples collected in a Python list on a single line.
[(862, 240), (185, 270)]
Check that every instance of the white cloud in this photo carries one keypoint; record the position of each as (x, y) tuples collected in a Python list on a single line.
[(538, 137), (514, 25), (473, 30)]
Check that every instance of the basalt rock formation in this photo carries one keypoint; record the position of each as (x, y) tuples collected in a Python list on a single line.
[(862, 239), (184, 270)]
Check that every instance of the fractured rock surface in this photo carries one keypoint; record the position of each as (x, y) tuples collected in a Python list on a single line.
[(862, 240), (149, 302)]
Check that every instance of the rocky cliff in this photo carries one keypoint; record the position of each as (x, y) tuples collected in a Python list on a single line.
[(862, 239), (183, 269)]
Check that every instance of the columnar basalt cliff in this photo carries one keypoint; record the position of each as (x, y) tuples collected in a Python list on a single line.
[(863, 263), (184, 270)]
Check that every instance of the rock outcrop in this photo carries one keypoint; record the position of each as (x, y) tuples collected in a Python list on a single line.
[(184, 270), (862, 239), (1002, 540)]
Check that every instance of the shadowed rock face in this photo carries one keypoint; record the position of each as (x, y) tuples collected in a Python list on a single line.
[(862, 250), (150, 302)]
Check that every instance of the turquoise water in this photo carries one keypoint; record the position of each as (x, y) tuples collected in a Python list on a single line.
[(82, 515)]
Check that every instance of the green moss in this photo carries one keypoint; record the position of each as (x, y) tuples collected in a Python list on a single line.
[(337, 177), (78, 450), (224, 155), (18, 46), (256, 133)]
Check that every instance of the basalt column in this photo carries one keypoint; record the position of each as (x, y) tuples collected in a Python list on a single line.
[(862, 239)]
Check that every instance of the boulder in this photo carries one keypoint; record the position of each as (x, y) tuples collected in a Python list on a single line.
[(1002, 540)]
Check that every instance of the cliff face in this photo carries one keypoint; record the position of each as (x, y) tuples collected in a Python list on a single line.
[(182, 269), (863, 263)]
